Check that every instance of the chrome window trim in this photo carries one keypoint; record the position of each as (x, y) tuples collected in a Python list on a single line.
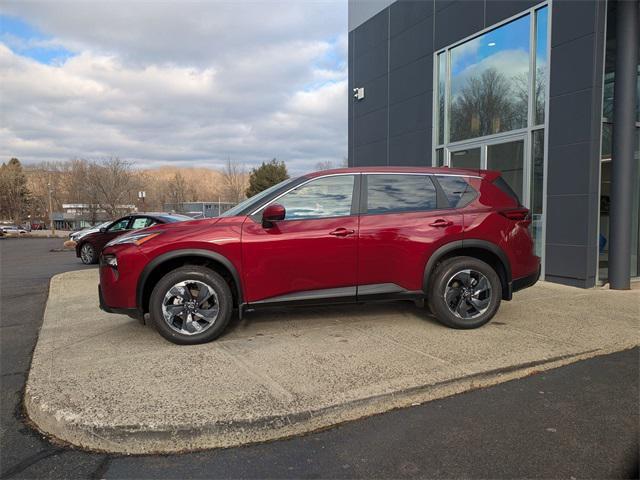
[(433, 174)]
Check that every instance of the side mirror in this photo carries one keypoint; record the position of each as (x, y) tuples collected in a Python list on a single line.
[(103, 229), (271, 214)]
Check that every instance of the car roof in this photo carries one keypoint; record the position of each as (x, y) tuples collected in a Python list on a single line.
[(424, 170)]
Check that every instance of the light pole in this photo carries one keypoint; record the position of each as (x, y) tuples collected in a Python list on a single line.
[(52, 225), (141, 196)]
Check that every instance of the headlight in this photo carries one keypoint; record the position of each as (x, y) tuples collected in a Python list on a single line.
[(135, 238), (111, 260)]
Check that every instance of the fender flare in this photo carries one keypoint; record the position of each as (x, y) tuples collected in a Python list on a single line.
[(470, 243), (189, 252)]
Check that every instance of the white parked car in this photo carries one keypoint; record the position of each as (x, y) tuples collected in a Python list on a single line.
[(12, 230)]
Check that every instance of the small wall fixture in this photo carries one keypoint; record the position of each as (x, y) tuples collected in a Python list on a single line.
[(358, 93)]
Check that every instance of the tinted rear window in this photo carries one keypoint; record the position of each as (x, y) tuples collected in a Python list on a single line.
[(456, 189), (400, 193), (504, 186)]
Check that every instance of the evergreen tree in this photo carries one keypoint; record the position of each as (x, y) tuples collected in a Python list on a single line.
[(14, 194), (265, 176)]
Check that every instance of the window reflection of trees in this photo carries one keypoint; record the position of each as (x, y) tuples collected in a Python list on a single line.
[(492, 102), (322, 198)]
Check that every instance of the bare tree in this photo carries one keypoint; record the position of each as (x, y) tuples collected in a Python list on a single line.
[(234, 182), (114, 182), (485, 105)]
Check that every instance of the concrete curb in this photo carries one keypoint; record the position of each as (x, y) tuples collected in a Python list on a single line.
[(70, 423), (140, 439)]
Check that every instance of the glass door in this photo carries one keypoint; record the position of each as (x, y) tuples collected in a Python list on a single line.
[(507, 155), (508, 158)]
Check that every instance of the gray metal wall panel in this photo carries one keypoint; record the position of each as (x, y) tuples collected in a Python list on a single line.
[(373, 32), (375, 96), (371, 154), (575, 110), (498, 10), (574, 65), (371, 127), (359, 11), (411, 115), (371, 64), (573, 19), (411, 44), (412, 149), (406, 13), (457, 21), (411, 80)]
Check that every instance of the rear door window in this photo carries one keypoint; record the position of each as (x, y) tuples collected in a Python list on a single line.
[(142, 222), (457, 191), (400, 193)]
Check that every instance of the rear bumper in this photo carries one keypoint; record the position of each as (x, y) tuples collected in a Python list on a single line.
[(525, 282), (131, 312)]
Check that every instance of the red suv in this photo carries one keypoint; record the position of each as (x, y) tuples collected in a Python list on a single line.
[(458, 239)]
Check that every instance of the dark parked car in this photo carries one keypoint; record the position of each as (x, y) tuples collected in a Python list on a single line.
[(458, 239), (89, 246)]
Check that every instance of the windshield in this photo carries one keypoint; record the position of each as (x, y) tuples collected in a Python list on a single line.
[(255, 200)]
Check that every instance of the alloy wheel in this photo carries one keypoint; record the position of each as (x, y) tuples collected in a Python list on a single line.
[(190, 307), (468, 294), (86, 253)]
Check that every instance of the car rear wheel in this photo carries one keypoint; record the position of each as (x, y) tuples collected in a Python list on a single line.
[(88, 254), (465, 293), (191, 305)]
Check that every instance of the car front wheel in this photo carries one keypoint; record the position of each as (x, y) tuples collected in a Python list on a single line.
[(465, 293), (191, 305), (88, 254)]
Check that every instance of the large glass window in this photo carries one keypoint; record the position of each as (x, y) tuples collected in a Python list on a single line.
[(442, 68), (494, 94), (466, 158), (540, 73), (321, 198), (490, 82), (537, 182), (400, 193)]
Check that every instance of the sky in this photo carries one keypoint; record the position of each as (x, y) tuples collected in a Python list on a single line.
[(177, 83)]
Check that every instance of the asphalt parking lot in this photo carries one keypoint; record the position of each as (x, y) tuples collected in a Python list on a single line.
[(579, 420)]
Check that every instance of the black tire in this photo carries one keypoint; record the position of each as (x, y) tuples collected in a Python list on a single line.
[(199, 274), (88, 254), (451, 271)]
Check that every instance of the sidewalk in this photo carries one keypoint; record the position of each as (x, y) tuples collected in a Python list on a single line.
[(105, 382)]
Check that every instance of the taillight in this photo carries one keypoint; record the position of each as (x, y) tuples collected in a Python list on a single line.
[(520, 215)]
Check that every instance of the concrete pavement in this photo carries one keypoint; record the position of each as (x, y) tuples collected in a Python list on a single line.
[(104, 382)]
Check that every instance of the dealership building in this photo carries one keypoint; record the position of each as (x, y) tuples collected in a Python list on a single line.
[(546, 92)]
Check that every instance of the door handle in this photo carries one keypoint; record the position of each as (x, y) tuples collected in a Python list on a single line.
[(342, 232), (441, 222)]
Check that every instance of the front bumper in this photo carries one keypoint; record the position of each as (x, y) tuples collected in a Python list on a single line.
[(131, 312)]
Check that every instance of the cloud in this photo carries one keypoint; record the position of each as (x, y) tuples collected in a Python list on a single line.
[(186, 83)]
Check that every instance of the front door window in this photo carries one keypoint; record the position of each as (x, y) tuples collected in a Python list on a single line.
[(322, 198)]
